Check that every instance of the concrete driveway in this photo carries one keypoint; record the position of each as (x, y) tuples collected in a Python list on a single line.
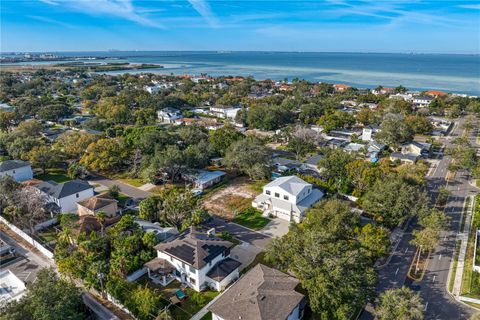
[(255, 238), (244, 253), (276, 228)]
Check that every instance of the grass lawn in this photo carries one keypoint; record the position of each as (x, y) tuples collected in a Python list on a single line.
[(194, 303), (122, 198), (470, 279), (208, 316), (57, 175), (455, 263), (464, 215), (251, 218), (136, 182)]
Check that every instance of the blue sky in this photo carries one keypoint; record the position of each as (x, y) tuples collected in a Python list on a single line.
[(333, 25)]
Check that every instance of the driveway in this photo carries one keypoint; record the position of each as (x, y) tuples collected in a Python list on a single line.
[(244, 253), (27, 264), (129, 190), (276, 228), (252, 237)]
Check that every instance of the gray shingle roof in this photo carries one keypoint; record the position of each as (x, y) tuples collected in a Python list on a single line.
[(262, 293), (12, 164), (223, 268), (62, 190)]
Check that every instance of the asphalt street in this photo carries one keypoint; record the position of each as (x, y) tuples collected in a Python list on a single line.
[(439, 304)]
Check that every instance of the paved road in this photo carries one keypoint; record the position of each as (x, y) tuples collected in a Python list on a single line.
[(129, 190), (432, 288), (255, 238)]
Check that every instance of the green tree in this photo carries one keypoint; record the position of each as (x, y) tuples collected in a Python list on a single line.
[(42, 157), (221, 139), (250, 157), (324, 253), (394, 131), (145, 302), (334, 165), (391, 201), (375, 240), (48, 298), (401, 304), (148, 209), (108, 155)]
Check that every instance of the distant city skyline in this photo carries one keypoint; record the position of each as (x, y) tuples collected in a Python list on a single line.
[(200, 25)]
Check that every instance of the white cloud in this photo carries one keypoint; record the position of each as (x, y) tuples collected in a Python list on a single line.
[(475, 6), (119, 8), (52, 21), (203, 8)]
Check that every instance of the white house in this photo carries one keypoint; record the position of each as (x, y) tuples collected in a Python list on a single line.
[(196, 259), (422, 101), (287, 198), (17, 169), (66, 195), (224, 112), (203, 179), (263, 293), (411, 152), (368, 132), (12, 288), (168, 115)]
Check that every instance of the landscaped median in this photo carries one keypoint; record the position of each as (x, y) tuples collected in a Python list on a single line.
[(471, 279)]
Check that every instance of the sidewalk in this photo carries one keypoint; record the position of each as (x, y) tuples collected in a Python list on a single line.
[(463, 236)]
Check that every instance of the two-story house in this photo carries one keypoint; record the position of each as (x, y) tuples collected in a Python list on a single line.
[(422, 101), (66, 195), (17, 169), (411, 152), (196, 259), (287, 198), (263, 293), (168, 115)]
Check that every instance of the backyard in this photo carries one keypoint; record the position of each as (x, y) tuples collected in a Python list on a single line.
[(57, 175), (194, 302)]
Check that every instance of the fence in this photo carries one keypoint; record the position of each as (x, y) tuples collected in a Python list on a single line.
[(27, 238), (46, 224), (467, 299)]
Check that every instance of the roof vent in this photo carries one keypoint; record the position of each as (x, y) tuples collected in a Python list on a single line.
[(211, 232), (262, 298)]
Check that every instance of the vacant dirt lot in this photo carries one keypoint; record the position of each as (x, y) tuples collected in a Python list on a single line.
[(235, 197)]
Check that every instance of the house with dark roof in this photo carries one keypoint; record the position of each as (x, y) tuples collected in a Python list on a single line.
[(198, 260), (66, 195), (263, 293), (17, 169)]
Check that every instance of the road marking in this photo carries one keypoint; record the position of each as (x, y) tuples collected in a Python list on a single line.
[(445, 238), (406, 250), (434, 278), (439, 257), (426, 306), (396, 271)]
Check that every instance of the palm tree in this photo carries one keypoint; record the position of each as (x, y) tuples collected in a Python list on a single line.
[(101, 217), (400, 304)]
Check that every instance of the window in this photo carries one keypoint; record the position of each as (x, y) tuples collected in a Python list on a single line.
[(77, 195), (285, 197), (192, 281), (277, 195), (191, 269), (171, 258), (267, 192), (183, 265), (13, 171)]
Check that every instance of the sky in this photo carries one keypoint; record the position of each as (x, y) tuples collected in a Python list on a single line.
[(430, 26)]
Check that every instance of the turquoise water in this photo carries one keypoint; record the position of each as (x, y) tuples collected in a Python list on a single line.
[(448, 72)]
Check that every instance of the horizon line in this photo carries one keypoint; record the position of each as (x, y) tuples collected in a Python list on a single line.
[(244, 51)]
